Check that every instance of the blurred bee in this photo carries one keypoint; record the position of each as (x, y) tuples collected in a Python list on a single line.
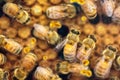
[(19, 74), (65, 67), (42, 73), (3, 74), (108, 7), (53, 37), (116, 15), (87, 48), (89, 8), (41, 32), (63, 11), (28, 62), (16, 12), (62, 67), (102, 68), (10, 45), (116, 63), (81, 69), (3, 59), (71, 45), (26, 65)]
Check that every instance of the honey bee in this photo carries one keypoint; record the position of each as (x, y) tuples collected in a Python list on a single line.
[(4, 74), (3, 59), (10, 45), (40, 31), (16, 12), (52, 37), (63, 11), (26, 65), (86, 49), (102, 68), (42, 73), (90, 9), (116, 15), (65, 67), (108, 7), (71, 45), (19, 74), (28, 62), (80, 69)]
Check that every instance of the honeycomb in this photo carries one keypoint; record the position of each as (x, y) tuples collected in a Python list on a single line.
[(105, 34)]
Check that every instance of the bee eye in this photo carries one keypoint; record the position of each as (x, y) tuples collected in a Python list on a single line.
[(75, 32), (14, 78), (92, 37), (86, 48), (72, 31), (111, 48)]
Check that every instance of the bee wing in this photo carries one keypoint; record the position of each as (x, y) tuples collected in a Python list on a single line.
[(60, 45)]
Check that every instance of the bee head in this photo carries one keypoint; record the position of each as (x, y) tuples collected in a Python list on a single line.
[(74, 31), (92, 37), (112, 48)]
